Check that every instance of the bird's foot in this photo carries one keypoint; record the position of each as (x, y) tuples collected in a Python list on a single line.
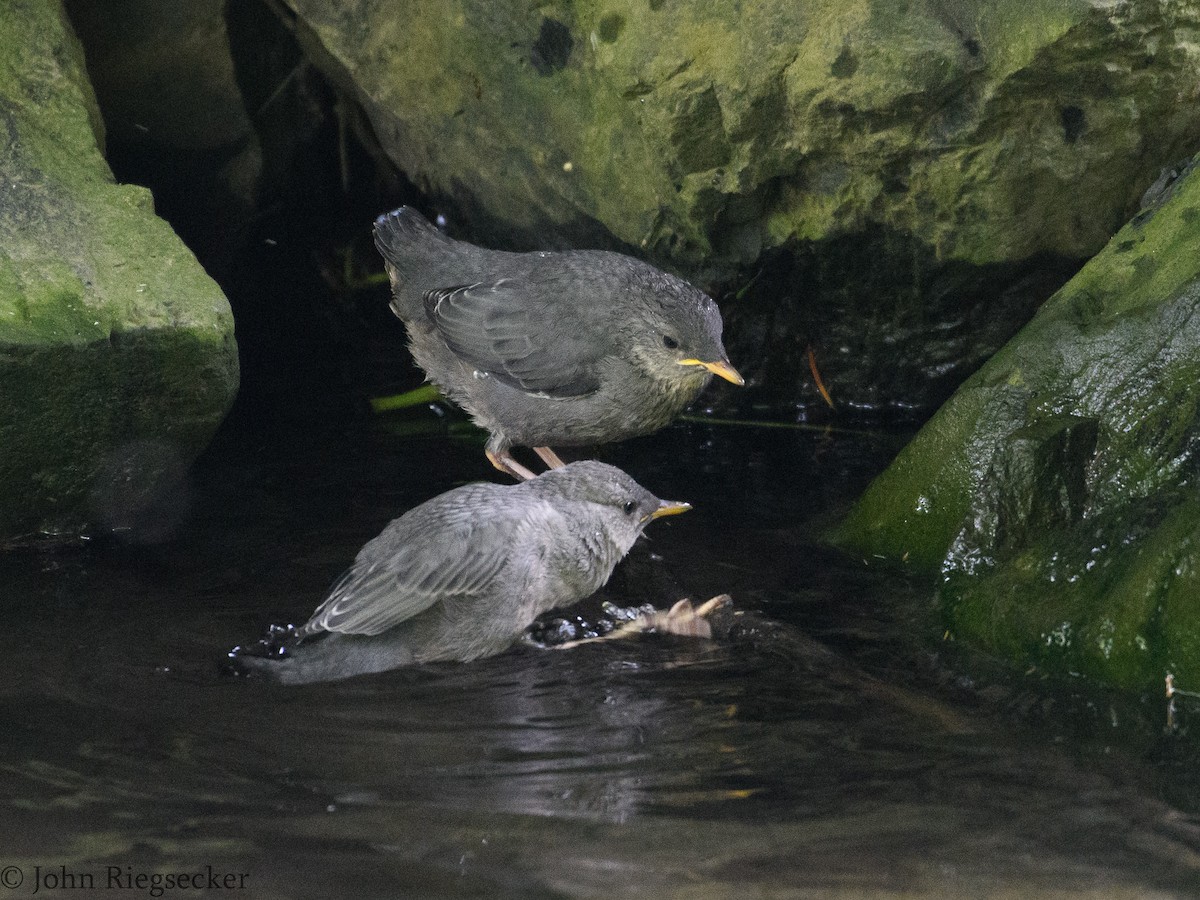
[(682, 619)]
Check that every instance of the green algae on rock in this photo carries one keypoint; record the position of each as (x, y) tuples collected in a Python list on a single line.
[(112, 337), (1056, 489), (704, 133)]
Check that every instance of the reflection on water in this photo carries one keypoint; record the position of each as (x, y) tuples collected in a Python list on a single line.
[(820, 751)]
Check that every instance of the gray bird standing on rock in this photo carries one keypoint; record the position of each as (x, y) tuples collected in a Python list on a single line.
[(570, 348), (462, 575)]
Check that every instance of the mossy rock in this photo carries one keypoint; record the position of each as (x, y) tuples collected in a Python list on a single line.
[(1116, 597), (1056, 489), (117, 355), (704, 133)]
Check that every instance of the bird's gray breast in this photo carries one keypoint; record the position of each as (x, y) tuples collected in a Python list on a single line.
[(570, 557)]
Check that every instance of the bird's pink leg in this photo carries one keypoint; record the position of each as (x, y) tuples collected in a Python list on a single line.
[(549, 457), (509, 466)]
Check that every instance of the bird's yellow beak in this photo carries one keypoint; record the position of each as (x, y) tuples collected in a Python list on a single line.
[(669, 508), (721, 367)]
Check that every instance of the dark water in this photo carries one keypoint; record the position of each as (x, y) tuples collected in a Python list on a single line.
[(825, 749)]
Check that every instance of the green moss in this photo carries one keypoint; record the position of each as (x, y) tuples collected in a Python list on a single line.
[(677, 122), (1099, 348), (110, 331), (66, 408), (610, 27), (912, 511), (1013, 33), (43, 76), (1161, 266), (1115, 599), (45, 304), (1073, 548)]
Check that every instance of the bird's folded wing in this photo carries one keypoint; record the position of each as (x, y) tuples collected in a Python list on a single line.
[(372, 597), (521, 334)]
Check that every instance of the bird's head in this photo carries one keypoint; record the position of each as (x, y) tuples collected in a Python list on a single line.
[(624, 507), (675, 332)]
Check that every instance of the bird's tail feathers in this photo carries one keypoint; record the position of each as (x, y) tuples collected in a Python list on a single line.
[(420, 258), (405, 238)]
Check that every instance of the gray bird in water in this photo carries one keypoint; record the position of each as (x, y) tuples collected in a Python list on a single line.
[(463, 575), (570, 348)]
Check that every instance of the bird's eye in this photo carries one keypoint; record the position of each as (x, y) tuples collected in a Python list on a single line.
[(670, 343), (629, 507)]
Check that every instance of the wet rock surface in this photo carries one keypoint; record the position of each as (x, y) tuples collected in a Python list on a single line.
[(114, 344), (1056, 488)]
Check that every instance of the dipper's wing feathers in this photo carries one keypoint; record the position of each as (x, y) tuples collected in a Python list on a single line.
[(497, 329), (454, 546), (363, 601), (371, 599)]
